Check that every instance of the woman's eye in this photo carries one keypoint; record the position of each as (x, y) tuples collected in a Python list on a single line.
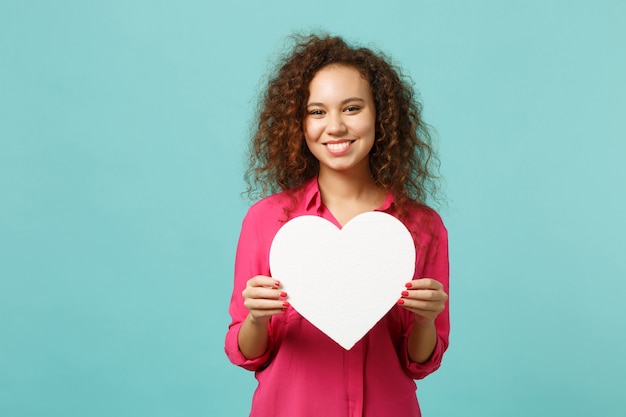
[(316, 112), (352, 108)]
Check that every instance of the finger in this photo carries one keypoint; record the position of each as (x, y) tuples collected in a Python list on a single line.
[(265, 305), (421, 305), (263, 293), (263, 281), (265, 314), (425, 295), (424, 283)]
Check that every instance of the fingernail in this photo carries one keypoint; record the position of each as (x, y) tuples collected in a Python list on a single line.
[(405, 293), (401, 301), (408, 284), (277, 284), (286, 304), (283, 294)]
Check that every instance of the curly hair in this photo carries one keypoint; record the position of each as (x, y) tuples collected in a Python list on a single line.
[(402, 158)]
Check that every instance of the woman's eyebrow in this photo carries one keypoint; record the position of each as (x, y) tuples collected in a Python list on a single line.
[(348, 100)]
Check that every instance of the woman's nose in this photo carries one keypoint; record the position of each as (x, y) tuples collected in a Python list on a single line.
[(335, 125)]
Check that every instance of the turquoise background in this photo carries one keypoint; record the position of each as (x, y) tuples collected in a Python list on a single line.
[(123, 126)]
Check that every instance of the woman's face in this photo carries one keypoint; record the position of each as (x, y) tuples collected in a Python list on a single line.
[(339, 126)]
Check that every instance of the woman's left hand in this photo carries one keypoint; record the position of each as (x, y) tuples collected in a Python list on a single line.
[(425, 297)]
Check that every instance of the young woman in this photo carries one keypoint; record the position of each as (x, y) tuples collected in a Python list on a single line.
[(339, 133)]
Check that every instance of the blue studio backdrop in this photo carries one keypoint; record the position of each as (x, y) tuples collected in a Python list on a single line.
[(123, 129)]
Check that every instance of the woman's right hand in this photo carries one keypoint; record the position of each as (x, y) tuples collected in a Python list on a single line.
[(263, 298)]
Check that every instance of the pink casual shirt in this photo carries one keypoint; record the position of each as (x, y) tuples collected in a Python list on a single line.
[(304, 372)]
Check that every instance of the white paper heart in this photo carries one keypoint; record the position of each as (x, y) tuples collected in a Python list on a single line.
[(343, 280)]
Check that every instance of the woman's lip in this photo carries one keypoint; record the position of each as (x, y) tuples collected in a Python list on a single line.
[(338, 147), (338, 141)]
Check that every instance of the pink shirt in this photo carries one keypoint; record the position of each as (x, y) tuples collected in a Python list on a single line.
[(304, 372)]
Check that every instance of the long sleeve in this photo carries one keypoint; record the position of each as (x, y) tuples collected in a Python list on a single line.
[(436, 266), (249, 261)]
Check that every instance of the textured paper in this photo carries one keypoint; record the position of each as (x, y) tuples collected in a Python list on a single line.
[(343, 280)]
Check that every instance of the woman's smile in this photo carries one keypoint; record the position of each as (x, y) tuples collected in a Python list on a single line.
[(339, 126), (338, 147)]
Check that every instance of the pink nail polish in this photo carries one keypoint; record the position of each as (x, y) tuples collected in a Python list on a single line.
[(286, 304), (401, 301), (277, 284), (283, 294), (408, 284), (405, 293)]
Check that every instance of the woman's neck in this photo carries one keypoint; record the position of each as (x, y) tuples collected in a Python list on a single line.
[(348, 194)]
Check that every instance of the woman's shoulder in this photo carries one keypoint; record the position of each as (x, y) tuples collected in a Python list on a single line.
[(284, 203), (271, 206), (420, 211), (424, 220)]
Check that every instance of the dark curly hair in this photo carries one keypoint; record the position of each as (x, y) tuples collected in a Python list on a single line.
[(402, 157)]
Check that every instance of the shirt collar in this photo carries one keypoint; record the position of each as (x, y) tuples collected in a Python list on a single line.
[(386, 206), (313, 198)]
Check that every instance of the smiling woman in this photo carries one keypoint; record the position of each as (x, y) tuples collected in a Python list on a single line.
[(339, 134), (339, 127)]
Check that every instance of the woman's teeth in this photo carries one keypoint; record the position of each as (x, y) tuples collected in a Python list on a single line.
[(336, 147)]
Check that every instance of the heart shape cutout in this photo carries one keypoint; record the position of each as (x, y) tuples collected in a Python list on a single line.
[(345, 280)]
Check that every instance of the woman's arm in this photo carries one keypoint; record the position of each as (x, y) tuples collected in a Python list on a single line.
[(426, 299), (249, 334), (263, 299)]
